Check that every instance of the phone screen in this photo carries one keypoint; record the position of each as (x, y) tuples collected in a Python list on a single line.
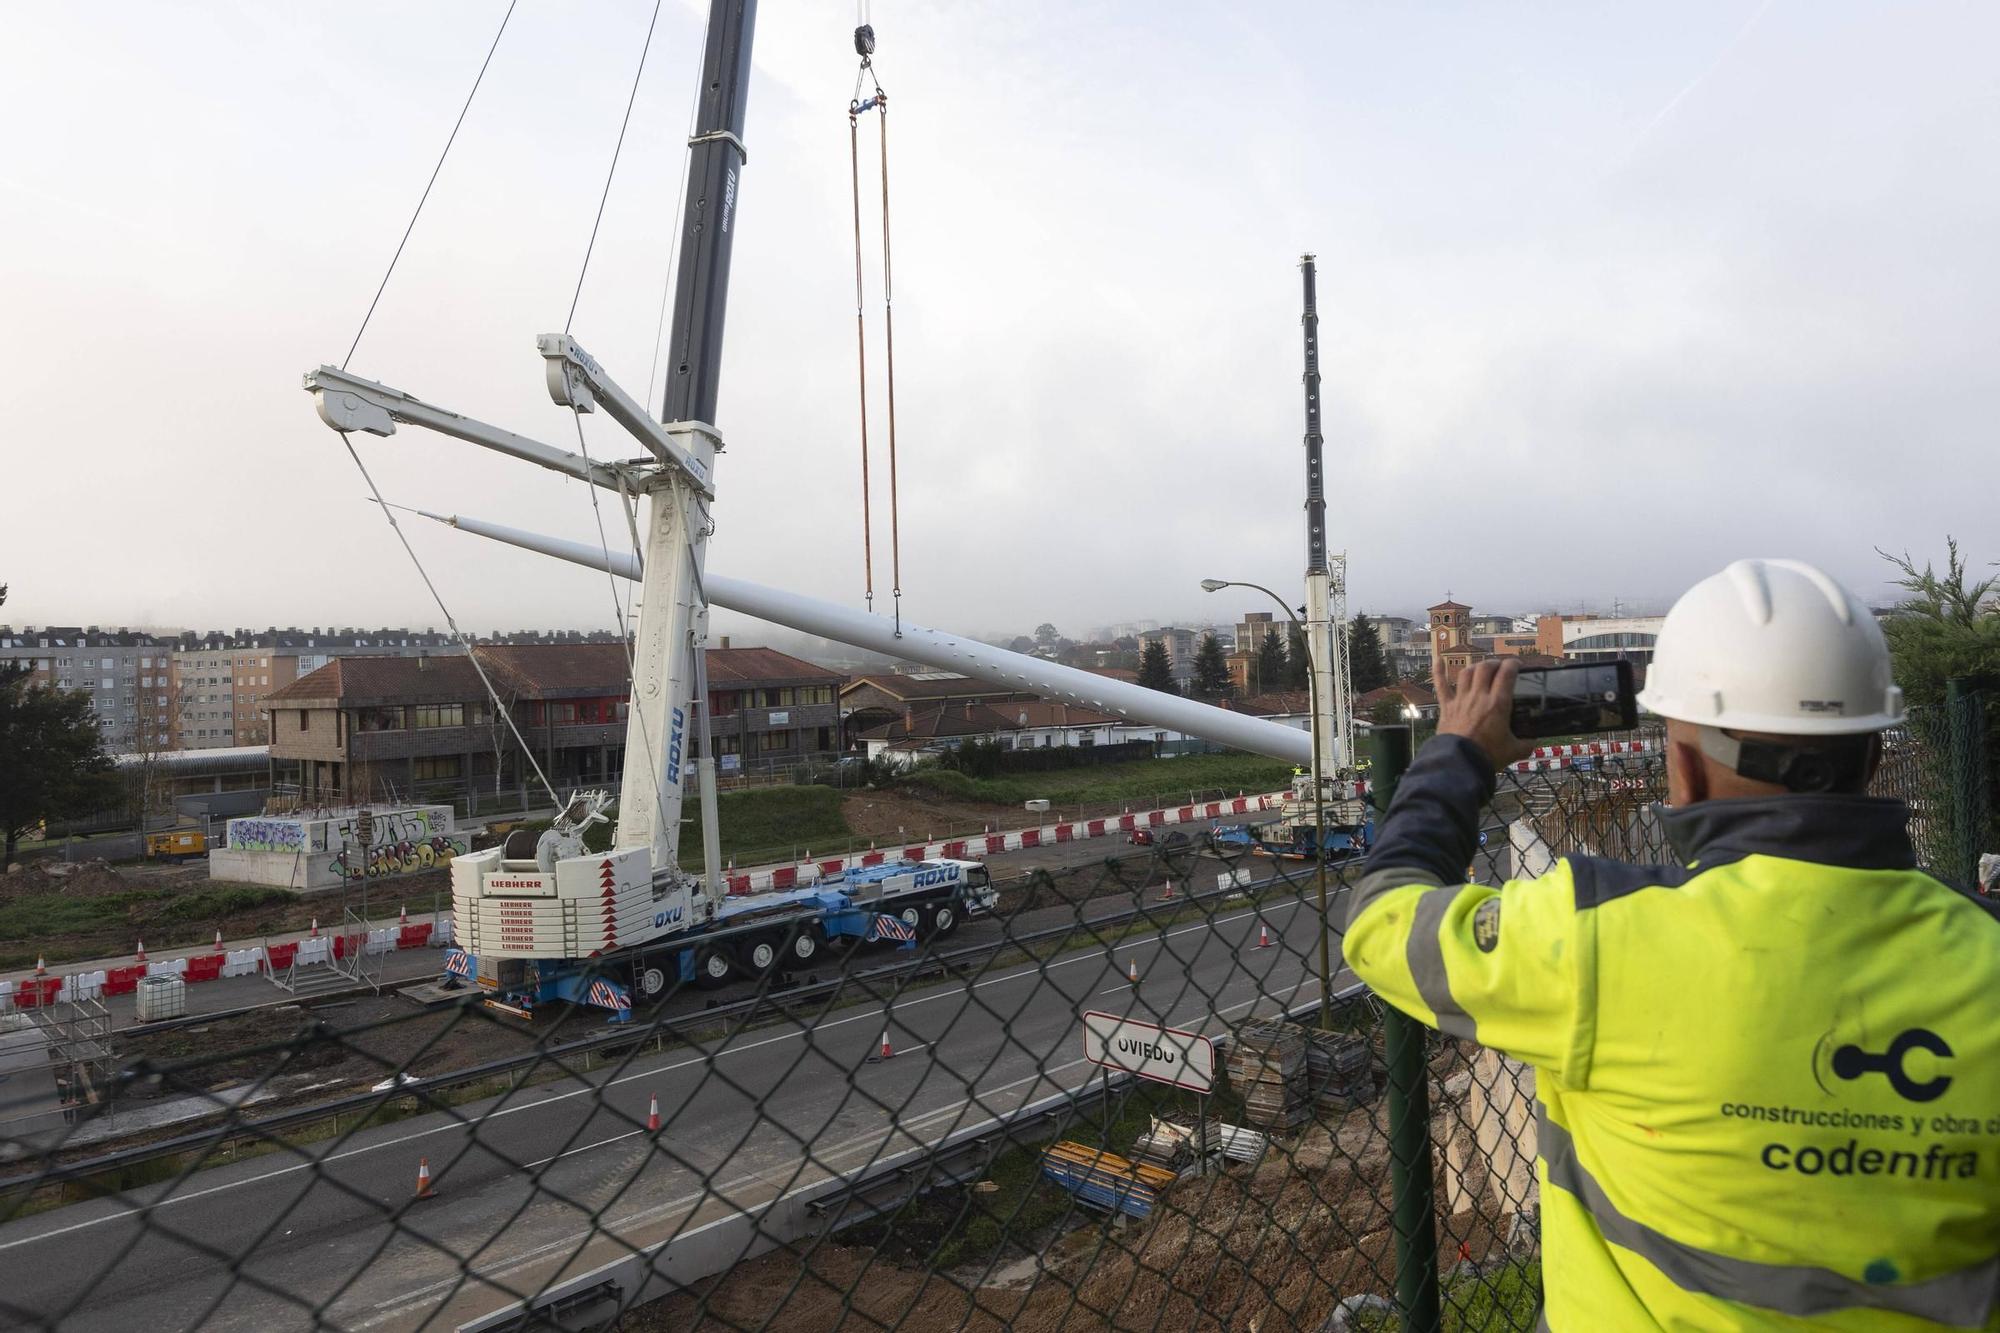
[(1574, 700)]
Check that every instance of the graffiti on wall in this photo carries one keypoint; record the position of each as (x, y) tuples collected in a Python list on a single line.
[(392, 842), (266, 835)]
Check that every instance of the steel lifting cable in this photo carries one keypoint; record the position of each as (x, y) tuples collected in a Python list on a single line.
[(878, 102), (861, 355), (388, 510)]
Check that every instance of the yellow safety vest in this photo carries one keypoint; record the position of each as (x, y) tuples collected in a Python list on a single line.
[(1769, 1078)]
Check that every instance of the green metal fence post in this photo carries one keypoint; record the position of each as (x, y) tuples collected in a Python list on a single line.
[(1410, 1166), (1965, 724)]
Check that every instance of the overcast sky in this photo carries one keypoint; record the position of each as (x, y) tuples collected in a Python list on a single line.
[(1609, 298)]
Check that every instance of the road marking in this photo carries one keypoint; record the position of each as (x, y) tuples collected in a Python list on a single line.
[(886, 1012), (417, 1296)]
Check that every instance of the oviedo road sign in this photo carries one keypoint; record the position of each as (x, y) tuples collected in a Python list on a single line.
[(1165, 1055)]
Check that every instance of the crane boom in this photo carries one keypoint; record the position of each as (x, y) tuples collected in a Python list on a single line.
[(938, 648)]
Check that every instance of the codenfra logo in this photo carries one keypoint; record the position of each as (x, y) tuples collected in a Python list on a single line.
[(1851, 1062)]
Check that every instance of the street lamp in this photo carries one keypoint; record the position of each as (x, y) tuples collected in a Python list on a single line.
[(1319, 795)]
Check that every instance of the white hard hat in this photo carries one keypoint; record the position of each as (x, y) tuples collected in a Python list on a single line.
[(1773, 646)]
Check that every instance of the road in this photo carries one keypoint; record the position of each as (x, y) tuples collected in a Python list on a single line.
[(563, 1176)]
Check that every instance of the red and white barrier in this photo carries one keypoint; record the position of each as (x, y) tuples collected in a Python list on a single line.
[(1565, 756), (215, 963), (972, 848)]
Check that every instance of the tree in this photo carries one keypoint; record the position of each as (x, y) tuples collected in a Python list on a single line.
[(1298, 663), (1211, 671), (1046, 635), (1155, 672), (1948, 628), (1388, 712), (1367, 669), (52, 760), (1267, 672), (1421, 676)]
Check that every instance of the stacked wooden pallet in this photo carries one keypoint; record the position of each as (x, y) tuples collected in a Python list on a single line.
[(1105, 1180), (1338, 1075), (1268, 1066)]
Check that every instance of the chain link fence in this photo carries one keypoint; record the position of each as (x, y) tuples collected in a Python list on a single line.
[(888, 1136)]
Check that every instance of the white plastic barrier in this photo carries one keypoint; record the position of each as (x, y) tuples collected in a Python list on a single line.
[(314, 951), (242, 962), (82, 986), (441, 930), (381, 941), (172, 967), (6, 997)]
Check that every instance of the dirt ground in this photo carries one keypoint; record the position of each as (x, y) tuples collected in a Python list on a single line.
[(889, 816), (1270, 1248)]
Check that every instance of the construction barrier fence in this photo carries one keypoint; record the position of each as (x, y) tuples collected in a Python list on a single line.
[(970, 1130)]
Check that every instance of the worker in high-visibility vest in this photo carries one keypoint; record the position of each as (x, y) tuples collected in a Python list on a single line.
[(1768, 1075)]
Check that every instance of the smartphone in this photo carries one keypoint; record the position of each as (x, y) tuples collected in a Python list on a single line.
[(1574, 700)]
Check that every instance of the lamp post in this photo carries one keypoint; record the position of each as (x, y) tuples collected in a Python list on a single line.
[(1319, 800)]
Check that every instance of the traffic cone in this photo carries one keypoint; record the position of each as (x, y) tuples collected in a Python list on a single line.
[(141, 957), (1167, 895), (315, 934), (403, 915), (424, 1190), (653, 1115), (41, 969), (1132, 971), (218, 939), (1263, 937), (887, 1051)]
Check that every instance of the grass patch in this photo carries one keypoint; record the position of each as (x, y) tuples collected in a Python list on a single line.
[(1500, 1299), (758, 825), (110, 921), (1171, 779)]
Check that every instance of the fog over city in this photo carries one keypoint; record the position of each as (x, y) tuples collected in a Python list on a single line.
[(1608, 299)]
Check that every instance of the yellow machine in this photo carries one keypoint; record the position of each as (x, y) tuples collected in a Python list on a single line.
[(175, 844)]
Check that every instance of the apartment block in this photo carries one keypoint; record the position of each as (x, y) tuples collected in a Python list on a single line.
[(124, 673)]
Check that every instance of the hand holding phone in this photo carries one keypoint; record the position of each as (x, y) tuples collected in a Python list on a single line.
[(1479, 707), (1575, 700)]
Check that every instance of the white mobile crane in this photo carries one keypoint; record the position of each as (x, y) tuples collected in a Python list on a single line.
[(542, 919)]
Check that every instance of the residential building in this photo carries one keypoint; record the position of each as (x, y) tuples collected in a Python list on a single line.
[(879, 698), (1257, 626), (1288, 708), (220, 680), (770, 709), (123, 673), (1016, 724), (1181, 645), (1405, 697), (396, 728)]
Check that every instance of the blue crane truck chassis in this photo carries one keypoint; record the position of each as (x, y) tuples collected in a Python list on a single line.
[(747, 937)]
